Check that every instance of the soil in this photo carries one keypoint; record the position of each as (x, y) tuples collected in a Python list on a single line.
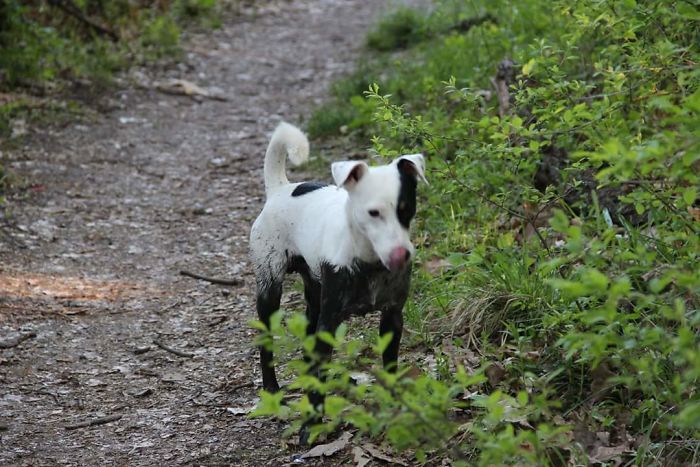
[(155, 183)]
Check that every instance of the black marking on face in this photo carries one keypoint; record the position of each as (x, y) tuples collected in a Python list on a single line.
[(406, 206), (307, 187)]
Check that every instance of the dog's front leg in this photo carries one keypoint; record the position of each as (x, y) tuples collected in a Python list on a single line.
[(392, 321), (312, 295), (334, 292)]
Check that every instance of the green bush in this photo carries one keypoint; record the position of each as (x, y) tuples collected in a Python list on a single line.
[(60, 41), (565, 225), (45, 45)]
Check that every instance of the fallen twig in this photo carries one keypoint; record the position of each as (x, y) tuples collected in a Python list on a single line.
[(93, 422), (212, 280), (235, 388), (179, 353), (15, 341), (218, 320)]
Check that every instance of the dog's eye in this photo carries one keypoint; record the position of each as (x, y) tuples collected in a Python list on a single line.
[(373, 213)]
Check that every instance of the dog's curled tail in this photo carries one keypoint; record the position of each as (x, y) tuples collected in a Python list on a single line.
[(287, 140)]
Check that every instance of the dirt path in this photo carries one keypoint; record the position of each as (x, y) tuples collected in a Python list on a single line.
[(157, 184)]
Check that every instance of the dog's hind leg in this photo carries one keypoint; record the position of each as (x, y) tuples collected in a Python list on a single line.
[(268, 301)]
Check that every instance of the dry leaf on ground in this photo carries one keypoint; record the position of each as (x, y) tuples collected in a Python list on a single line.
[(606, 454), (186, 88), (360, 456), (329, 449), (377, 453)]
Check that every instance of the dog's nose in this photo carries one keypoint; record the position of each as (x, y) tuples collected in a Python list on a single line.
[(398, 258)]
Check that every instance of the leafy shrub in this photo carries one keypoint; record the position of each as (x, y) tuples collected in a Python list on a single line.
[(46, 40), (58, 42), (565, 222), (417, 412)]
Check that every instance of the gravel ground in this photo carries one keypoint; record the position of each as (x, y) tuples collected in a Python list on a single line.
[(153, 184)]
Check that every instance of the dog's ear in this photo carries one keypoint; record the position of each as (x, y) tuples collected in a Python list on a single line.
[(413, 164), (347, 174)]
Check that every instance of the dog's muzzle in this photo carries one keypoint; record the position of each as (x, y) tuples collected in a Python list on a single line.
[(398, 259)]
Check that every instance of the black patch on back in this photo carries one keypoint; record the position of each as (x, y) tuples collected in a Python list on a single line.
[(406, 207), (307, 187)]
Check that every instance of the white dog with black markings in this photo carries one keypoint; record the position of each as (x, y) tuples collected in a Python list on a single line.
[(349, 242)]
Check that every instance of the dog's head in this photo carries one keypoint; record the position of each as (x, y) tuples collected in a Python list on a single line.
[(382, 203)]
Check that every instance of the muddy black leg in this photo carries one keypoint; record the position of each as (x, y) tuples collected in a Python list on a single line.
[(392, 321), (312, 294), (333, 291), (268, 301)]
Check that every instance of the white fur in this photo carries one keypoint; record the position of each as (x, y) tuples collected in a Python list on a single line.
[(287, 140), (329, 225)]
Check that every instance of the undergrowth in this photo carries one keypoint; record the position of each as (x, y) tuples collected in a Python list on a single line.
[(557, 283), (50, 46), (55, 41)]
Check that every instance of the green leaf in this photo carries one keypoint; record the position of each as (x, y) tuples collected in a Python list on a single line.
[(689, 195), (328, 338), (297, 324), (528, 67), (568, 288), (308, 344), (270, 404), (257, 324), (341, 332), (276, 321), (594, 279), (333, 405), (382, 343), (559, 221), (689, 417)]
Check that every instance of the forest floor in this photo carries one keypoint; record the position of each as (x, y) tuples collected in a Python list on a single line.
[(118, 203)]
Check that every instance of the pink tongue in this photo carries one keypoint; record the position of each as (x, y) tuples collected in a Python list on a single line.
[(398, 258)]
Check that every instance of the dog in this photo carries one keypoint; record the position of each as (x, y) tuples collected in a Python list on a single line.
[(349, 242)]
